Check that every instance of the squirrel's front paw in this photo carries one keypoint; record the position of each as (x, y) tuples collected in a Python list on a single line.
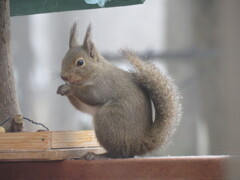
[(64, 90)]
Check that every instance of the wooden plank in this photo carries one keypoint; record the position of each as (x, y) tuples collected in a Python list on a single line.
[(27, 7), (72, 139), (187, 168), (39, 141), (40, 146), (49, 155), (24, 141)]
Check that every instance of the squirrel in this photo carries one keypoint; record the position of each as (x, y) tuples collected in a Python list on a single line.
[(122, 103)]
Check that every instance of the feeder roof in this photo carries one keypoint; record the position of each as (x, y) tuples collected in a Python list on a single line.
[(28, 7)]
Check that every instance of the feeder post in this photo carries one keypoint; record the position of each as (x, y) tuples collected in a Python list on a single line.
[(9, 106)]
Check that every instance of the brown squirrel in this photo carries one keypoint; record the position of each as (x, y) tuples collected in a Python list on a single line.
[(120, 101)]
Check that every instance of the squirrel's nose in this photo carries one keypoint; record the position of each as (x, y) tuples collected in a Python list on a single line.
[(65, 78)]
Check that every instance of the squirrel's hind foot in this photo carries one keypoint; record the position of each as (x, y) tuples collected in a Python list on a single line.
[(93, 156)]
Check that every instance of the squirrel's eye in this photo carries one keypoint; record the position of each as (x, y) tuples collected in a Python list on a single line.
[(80, 62)]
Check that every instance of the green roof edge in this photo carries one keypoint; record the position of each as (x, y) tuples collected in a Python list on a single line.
[(28, 7)]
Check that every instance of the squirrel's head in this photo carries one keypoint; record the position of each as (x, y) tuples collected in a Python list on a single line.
[(80, 61)]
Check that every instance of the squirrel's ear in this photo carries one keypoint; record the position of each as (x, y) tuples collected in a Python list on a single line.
[(88, 44), (73, 41)]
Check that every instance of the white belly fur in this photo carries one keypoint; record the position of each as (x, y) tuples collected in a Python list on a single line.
[(87, 108)]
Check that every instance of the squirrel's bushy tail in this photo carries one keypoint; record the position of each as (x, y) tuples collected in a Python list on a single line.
[(165, 98)]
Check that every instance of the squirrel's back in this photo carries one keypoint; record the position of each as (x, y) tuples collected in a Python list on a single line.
[(121, 123)]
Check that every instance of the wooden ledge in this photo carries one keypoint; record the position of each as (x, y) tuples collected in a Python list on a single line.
[(174, 168), (33, 156)]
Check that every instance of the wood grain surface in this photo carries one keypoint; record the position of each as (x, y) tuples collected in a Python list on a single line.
[(46, 145), (176, 168)]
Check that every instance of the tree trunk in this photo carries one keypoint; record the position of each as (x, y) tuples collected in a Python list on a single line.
[(9, 107)]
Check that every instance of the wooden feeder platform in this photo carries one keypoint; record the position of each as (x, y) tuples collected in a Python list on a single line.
[(47, 145)]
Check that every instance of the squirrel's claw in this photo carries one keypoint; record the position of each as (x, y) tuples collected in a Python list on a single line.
[(93, 156), (64, 90)]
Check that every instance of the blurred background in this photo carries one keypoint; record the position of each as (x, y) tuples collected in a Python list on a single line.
[(192, 41)]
